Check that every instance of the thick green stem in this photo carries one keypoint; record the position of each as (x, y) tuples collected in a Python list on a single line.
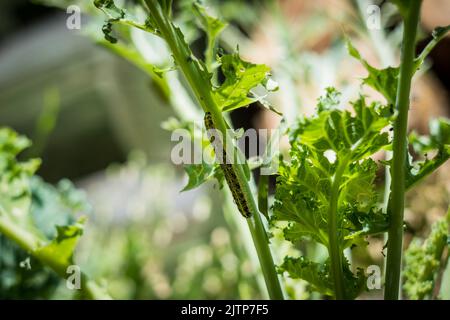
[(397, 196), (334, 250), (261, 241), (202, 91)]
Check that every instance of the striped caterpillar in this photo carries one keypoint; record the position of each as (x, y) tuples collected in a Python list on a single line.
[(227, 168)]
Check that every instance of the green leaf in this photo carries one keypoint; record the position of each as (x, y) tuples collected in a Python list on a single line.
[(11, 143), (121, 16), (110, 9), (355, 283), (343, 133), (15, 196), (316, 274), (423, 261), (385, 80), (59, 252), (23, 197), (213, 27), (438, 141), (55, 205), (294, 202), (438, 34), (200, 66), (333, 145), (107, 32), (198, 174), (201, 172), (15, 204), (210, 24), (369, 223), (240, 78), (382, 80), (439, 136)]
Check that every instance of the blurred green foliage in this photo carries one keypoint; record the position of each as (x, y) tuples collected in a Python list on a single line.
[(161, 250), (21, 275)]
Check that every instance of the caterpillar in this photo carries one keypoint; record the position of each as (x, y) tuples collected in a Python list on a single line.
[(228, 171)]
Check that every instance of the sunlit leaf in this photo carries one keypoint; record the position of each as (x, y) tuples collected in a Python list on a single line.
[(240, 78), (332, 141)]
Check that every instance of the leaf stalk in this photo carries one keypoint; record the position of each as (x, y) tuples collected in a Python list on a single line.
[(201, 89)]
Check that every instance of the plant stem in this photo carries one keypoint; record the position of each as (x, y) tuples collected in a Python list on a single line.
[(202, 91), (334, 250), (397, 196), (261, 241)]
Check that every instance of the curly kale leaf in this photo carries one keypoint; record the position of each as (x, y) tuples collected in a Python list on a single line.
[(331, 159), (29, 212), (318, 275)]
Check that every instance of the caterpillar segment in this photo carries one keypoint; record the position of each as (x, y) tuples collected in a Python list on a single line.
[(227, 168)]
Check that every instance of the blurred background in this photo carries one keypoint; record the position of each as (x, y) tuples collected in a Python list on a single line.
[(95, 119)]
